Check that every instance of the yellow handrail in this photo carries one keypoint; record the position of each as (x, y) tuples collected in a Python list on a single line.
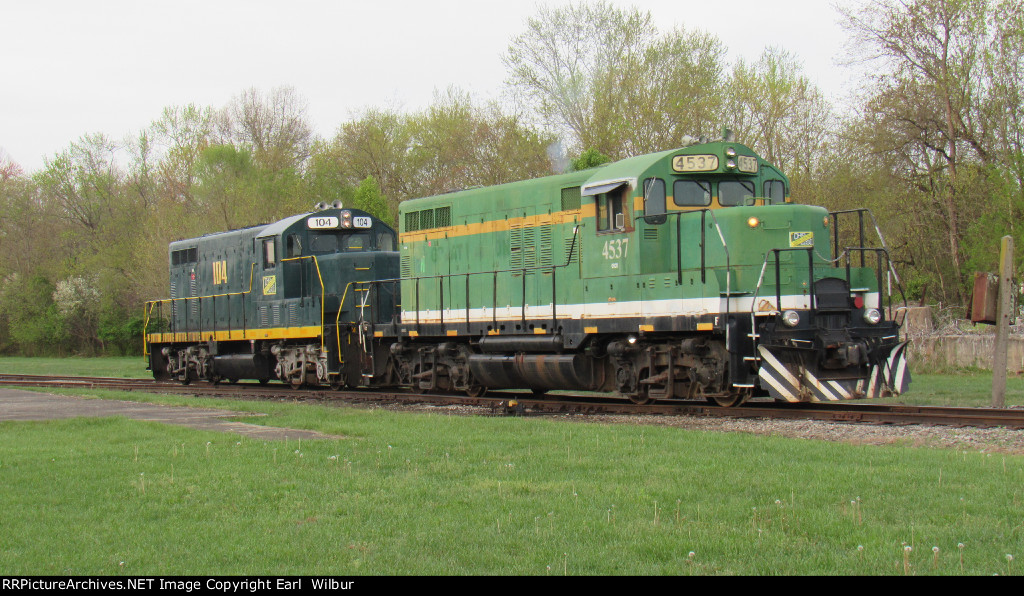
[(151, 304), (316, 263)]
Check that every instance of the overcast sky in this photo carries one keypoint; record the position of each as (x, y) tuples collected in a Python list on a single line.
[(73, 67)]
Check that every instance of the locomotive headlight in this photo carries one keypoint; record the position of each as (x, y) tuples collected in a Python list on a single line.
[(730, 152), (753, 222), (730, 164), (346, 219), (872, 316), (791, 318)]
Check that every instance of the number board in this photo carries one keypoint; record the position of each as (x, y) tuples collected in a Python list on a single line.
[(322, 223), (362, 222), (747, 164), (695, 163)]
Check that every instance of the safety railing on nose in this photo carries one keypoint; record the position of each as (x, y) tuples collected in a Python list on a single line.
[(883, 262)]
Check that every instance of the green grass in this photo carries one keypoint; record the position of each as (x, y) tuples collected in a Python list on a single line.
[(967, 388), (407, 493), (125, 366)]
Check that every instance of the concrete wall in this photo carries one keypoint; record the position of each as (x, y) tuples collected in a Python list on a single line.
[(945, 351)]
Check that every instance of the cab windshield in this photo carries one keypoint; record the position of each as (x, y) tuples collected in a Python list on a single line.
[(322, 243)]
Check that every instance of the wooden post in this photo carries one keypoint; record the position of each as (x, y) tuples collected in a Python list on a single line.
[(1002, 323)]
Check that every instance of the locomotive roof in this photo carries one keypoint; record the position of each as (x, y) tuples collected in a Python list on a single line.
[(276, 228), (594, 179)]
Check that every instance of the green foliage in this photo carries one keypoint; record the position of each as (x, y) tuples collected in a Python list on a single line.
[(368, 198), (34, 321), (591, 158), (122, 334)]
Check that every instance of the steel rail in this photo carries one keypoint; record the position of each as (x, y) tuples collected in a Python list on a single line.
[(513, 402)]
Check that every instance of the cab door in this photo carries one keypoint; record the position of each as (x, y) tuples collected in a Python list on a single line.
[(611, 251)]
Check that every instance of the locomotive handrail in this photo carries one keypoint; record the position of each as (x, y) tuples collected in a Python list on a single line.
[(847, 253), (494, 273), (878, 231), (320, 277), (703, 248), (151, 304)]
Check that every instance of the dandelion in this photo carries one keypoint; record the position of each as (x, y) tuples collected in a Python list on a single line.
[(935, 559), (906, 559), (1009, 559), (860, 552)]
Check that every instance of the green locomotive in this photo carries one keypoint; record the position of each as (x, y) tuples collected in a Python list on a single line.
[(686, 273), (265, 302)]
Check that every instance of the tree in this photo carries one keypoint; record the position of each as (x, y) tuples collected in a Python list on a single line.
[(273, 128), (368, 198), (777, 109), (591, 158), (923, 113), (564, 51), (452, 144)]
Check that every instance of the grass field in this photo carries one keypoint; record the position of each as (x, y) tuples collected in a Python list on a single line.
[(408, 493), (133, 367)]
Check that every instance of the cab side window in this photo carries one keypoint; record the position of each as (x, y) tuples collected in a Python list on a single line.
[(293, 246), (610, 210), (654, 201), (269, 254), (775, 191)]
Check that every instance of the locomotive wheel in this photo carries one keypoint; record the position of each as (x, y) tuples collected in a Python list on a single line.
[(297, 382), (731, 400), (337, 382), (264, 381), (476, 390), (641, 397)]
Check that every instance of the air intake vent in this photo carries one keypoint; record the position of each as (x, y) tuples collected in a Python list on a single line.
[(570, 198)]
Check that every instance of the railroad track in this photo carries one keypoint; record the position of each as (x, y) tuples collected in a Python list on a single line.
[(529, 404)]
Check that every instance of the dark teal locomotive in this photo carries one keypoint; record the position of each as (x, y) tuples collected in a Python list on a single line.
[(265, 302), (682, 274)]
